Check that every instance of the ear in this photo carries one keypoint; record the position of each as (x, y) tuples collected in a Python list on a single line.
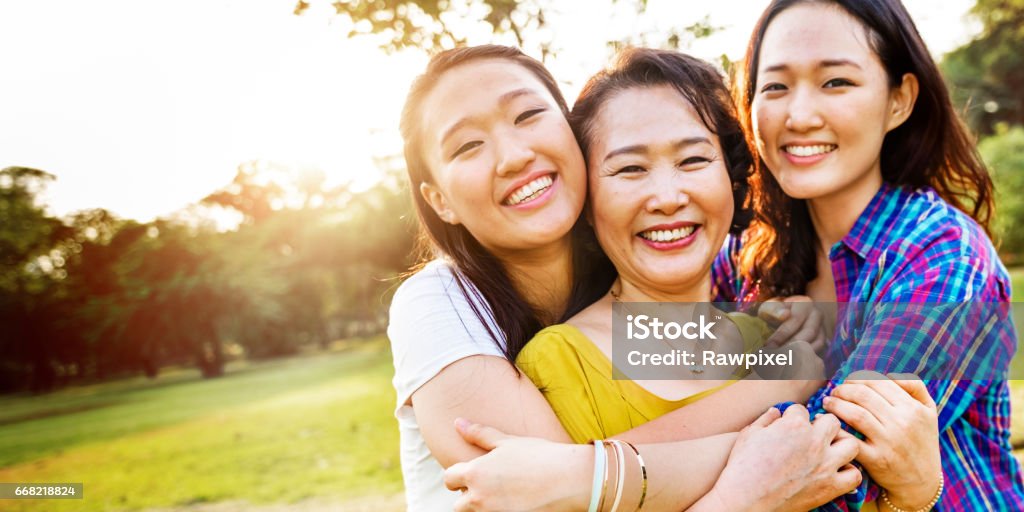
[(433, 196), (901, 102)]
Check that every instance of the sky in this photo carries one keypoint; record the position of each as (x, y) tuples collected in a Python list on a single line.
[(143, 107)]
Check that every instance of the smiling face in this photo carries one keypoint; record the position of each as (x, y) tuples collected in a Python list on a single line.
[(503, 159), (822, 104), (661, 199)]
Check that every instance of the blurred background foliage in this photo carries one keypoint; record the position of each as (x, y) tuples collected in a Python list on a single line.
[(92, 296)]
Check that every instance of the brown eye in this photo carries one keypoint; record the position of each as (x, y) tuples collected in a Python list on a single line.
[(630, 169), (528, 114), (694, 162), (837, 82), (466, 147)]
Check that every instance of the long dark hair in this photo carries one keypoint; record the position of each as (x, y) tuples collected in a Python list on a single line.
[(931, 148), (697, 82), (491, 284)]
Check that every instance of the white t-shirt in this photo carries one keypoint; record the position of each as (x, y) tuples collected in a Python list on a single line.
[(431, 326)]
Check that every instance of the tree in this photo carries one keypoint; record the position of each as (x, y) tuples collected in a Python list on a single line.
[(434, 25), (987, 74), (1004, 154), (30, 280)]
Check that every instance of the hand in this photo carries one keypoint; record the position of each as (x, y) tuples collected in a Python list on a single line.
[(787, 463), (900, 424), (517, 473), (796, 318), (806, 366)]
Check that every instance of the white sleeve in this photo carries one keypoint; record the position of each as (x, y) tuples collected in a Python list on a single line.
[(431, 325)]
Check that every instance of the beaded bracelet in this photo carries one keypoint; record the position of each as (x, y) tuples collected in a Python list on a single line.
[(600, 466), (926, 508)]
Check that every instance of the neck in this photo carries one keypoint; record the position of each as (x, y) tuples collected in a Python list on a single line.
[(544, 277), (834, 215), (627, 291)]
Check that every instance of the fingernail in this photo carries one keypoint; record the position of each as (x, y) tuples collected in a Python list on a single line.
[(827, 401), (461, 424)]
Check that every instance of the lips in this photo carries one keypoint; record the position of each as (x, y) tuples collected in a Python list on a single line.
[(808, 150), (530, 190), (668, 235)]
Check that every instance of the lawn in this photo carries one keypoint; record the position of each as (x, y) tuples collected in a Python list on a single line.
[(315, 430), (314, 427)]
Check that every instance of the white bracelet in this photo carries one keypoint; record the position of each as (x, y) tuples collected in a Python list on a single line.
[(600, 467)]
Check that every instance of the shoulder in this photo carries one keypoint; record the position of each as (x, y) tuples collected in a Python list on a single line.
[(435, 291), (434, 278), (550, 343), (934, 243)]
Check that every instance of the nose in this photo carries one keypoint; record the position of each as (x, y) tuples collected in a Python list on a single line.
[(668, 194), (802, 114), (513, 155)]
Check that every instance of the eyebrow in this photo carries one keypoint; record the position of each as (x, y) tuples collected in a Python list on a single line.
[(827, 63), (642, 148), (503, 100)]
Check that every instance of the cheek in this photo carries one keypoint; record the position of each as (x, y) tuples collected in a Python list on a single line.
[(718, 198)]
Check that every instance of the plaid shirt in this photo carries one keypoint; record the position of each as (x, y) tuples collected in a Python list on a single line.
[(913, 247)]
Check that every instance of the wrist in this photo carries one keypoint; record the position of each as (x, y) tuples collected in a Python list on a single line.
[(580, 472), (914, 498)]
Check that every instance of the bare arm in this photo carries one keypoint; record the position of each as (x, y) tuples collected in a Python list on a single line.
[(790, 464), (484, 389), (728, 410)]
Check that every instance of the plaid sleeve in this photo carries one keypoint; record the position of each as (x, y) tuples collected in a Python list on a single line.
[(934, 323), (725, 277)]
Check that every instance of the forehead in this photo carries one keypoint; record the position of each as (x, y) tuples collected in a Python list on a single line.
[(474, 89), (645, 116), (814, 32)]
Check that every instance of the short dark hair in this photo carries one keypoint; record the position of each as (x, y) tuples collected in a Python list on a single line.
[(698, 82)]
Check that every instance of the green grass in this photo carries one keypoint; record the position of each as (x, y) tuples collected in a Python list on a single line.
[(315, 426), (305, 428)]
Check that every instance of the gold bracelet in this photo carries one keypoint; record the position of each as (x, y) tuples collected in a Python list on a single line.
[(604, 486), (643, 474), (926, 508)]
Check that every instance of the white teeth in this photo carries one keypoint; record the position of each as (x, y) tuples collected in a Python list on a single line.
[(668, 235), (530, 190), (810, 150)]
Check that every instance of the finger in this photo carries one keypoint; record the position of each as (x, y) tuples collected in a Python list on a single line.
[(842, 453), (847, 480), (797, 298), (855, 416), (914, 386), (464, 503), (811, 328), (773, 311), (784, 332), (797, 412), (827, 425), (888, 390), (866, 396), (766, 418), (455, 476), (480, 435)]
